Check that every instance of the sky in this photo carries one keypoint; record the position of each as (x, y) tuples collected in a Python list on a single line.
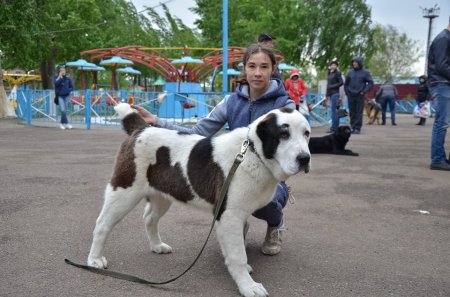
[(405, 15)]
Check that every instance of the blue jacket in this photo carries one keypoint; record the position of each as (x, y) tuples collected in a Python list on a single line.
[(439, 59), (358, 80), (237, 110), (63, 86)]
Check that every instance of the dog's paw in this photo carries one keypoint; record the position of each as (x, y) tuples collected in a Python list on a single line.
[(249, 269), (254, 290), (161, 248), (98, 263)]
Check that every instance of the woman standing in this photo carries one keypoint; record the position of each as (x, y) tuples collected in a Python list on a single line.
[(63, 87), (334, 82), (256, 95)]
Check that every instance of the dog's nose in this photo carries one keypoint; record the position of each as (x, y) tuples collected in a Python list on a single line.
[(303, 159)]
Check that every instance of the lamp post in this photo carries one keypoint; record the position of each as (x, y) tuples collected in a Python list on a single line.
[(430, 14)]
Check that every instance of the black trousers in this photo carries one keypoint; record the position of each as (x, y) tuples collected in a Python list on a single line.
[(356, 109)]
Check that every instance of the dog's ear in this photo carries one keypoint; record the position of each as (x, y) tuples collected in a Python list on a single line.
[(267, 131)]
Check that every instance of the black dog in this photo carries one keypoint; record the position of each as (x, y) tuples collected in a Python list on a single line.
[(333, 143)]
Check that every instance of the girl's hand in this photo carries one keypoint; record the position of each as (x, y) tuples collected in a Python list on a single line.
[(147, 116)]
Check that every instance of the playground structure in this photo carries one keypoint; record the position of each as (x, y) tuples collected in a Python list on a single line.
[(183, 76)]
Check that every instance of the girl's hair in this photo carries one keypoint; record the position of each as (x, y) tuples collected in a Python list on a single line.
[(253, 49)]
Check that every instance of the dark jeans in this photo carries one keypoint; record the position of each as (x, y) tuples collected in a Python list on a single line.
[(63, 101), (385, 101), (334, 112), (356, 108), (422, 121), (272, 213)]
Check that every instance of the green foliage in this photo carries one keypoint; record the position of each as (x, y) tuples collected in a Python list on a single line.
[(308, 32), (395, 54)]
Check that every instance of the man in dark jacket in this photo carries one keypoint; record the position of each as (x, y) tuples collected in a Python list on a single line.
[(439, 84), (334, 82), (357, 83)]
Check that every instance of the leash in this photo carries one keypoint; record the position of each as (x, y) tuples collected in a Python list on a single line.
[(237, 161)]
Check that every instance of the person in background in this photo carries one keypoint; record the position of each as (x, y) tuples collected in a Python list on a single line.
[(296, 88), (334, 82), (357, 83), (387, 94), (422, 96), (63, 87), (268, 41), (439, 84), (256, 95)]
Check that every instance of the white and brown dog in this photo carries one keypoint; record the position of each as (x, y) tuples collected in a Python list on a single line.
[(163, 166)]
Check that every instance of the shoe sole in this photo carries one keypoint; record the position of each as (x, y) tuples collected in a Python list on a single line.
[(439, 168)]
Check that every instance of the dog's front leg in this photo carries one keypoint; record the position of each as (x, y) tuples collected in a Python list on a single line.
[(230, 235)]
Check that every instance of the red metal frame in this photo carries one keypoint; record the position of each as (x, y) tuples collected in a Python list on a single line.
[(154, 59)]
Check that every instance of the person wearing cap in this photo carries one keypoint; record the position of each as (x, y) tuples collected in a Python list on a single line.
[(267, 40), (297, 91), (439, 84), (357, 84), (334, 82), (422, 96), (63, 87)]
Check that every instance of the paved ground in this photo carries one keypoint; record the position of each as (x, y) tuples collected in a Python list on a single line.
[(354, 230)]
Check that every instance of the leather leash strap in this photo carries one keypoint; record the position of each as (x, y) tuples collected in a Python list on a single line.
[(237, 161)]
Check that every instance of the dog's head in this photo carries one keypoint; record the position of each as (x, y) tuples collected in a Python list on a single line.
[(344, 131), (281, 138)]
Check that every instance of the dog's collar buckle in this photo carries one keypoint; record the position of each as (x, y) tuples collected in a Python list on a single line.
[(244, 147)]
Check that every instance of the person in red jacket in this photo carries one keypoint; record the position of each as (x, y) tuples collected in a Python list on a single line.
[(297, 90)]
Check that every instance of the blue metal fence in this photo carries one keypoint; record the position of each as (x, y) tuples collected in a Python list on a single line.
[(96, 107)]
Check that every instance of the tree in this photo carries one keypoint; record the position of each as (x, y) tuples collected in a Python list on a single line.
[(308, 32), (395, 54)]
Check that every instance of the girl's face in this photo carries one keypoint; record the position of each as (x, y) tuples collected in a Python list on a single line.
[(258, 71), (333, 67)]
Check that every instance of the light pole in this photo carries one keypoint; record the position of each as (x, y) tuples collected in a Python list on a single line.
[(430, 14)]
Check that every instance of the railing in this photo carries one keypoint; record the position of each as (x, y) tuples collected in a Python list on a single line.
[(180, 108)]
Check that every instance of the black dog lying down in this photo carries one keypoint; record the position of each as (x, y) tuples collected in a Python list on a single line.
[(333, 143)]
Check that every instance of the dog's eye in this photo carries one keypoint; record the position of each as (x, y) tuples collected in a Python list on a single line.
[(307, 134), (284, 135)]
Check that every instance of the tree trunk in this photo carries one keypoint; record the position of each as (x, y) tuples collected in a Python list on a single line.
[(47, 70), (6, 109)]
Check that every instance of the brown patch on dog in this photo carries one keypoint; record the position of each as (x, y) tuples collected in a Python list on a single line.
[(133, 122), (124, 172), (286, 110), (167, 178), (205, 176)]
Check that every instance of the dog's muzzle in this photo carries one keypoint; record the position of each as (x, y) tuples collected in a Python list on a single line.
[(303, 160)]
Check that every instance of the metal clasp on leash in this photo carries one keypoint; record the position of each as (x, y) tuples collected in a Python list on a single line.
[(244, 147)]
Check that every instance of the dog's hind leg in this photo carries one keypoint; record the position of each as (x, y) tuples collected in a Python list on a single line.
[(231, 239), (118, 203), (155, 208)]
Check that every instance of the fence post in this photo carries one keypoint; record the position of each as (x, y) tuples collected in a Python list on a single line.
[(29, 112), (87, 102)]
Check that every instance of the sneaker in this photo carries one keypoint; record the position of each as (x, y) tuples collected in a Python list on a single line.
[(440, 166), (356, 131), (330, 131), (61, 126), (394, 124), (69, 126), (272, 242)]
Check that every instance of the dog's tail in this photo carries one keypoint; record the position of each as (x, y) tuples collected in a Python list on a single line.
[(131, 121)]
